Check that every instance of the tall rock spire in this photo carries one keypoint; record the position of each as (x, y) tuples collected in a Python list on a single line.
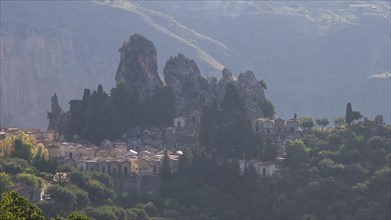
[(138, 65)]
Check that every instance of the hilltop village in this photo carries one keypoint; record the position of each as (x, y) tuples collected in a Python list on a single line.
[(193, 147), (143, 154), (168, 128)]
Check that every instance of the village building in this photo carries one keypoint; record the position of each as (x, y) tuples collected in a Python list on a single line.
[(31, 194), (116, 152), (262, 168), (2, 135), (257, 125), (145, 167), (102, 153), (53, 151), (81, 165), (266, 168), (170, 131), (279, 126), (379, 119), (180, 122)]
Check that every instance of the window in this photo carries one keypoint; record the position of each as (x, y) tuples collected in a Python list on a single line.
[(70, 154), (264, 172), (178, 124), (126, 170)]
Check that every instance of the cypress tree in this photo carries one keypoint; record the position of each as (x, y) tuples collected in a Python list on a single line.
[(349, 114)]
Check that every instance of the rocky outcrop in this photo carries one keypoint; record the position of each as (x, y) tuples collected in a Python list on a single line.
[(57, 118), (254, 94), (192, 90), (137, 69), (250, 88)]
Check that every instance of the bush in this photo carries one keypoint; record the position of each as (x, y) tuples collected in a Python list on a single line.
[(64, 199), (13, 165), (107, 212), (141, 213), (99, 193), (5, 182), (79, 178), (30, 180), (103, 178)]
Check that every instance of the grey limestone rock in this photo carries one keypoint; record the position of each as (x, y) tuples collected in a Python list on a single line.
[(138, 65), (253, 92), (183, 75), (192, 90)]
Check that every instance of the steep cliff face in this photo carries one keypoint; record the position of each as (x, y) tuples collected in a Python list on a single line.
[(253, 94), (37, 61), (137, 69), (184, 76), (28, 74)]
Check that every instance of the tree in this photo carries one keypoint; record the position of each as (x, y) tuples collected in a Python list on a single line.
[(5, 182), (30, 179), (270, 151), (124, 106), (98, 192), (79, 178), (41, 160), (76, 117), (323, 122), (207, 123), (268, 108), (14, 206), (232, 100), (227, 132), (165, 173), (351, 115), (296, 152), (263, 83), (102, 119), (63, 199), (163, 105), (23, 147), (77, 216), (306, 122)]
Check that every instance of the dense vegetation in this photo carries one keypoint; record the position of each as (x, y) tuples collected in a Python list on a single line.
[(338, 173), (334, 173), (100, 116)]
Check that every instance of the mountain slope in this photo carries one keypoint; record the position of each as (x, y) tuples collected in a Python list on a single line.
[(313, 55)]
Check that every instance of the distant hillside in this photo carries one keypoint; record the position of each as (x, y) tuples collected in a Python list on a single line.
[(315, 56)]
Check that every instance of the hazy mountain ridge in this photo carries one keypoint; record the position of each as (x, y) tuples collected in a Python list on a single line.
[(329, 49)]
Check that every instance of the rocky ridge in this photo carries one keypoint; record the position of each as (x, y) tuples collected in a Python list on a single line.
[(137, 70), (192, 90)]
